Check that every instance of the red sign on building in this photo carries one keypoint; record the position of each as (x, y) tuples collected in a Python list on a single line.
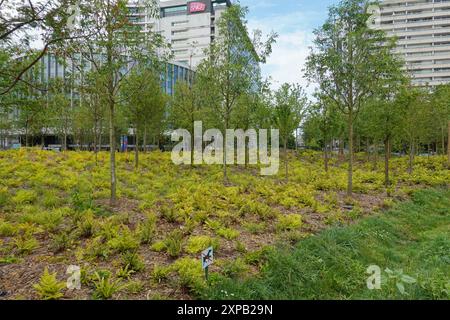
[(197, 7)]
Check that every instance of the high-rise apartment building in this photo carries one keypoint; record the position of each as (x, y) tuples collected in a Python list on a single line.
[(188, 26), (422, 28)]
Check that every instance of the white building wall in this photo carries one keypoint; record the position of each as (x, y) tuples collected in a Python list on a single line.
[(423, 31)]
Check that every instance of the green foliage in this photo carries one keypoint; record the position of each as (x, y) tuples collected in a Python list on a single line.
[(134, 287), (190, 274), (255, 228), (124, 241), (86, 226), (228, 233), (49, 288), (169, 214), (160, 273), (289, 222), (196, 244), (235, 269), (159, 246), (133, 261), (104, 286), (7, 229), (125, 272), (174, 243), (25, 197), (25, 244), (49, 220), (410, 243), (146, 230), (61, 241)]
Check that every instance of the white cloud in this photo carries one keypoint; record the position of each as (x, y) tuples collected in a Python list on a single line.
[(291, 49)]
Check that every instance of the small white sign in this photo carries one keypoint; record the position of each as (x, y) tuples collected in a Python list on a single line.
[(207, 257)]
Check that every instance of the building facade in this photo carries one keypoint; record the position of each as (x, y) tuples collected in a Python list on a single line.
[(422, 28), (188, 26)]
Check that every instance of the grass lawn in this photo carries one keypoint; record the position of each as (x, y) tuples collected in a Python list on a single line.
[(412, 241)]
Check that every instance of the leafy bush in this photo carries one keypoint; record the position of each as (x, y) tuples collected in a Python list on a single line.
[(7, 229), (133, 261), (289, 222), (197, 244), (61, 241), (160, 273), (190, 274), (104, 286), (49, 288), (169, 214), (49, 220), (86, 226), (235, 268), (25, 244), (228, 233), (174, 243), (124, 241), (4, 197), (255, 228), (25, 197), (147, 229), (158, 246), (50, 199), (124, 272)]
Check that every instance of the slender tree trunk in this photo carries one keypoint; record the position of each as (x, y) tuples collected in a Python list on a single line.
[(192, 143), (225, 174), (95, 143), (411, 156), (145, 139), (26, 136), (387, 151), (136, 148), (368, 149), (112, 147), (448, 146), (65, 141), (286, 166), (443, 140), (350, 154), (326, 156), (341, 149)]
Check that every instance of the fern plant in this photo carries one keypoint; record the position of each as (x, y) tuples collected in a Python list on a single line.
[(105, 287), (174, 243), (49, 288)]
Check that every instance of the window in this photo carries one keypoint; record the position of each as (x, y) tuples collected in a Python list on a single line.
[(174, 11), (177, 32), (178, 23), (179, 41)]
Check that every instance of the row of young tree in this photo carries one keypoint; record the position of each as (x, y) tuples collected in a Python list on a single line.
[(363, 96)]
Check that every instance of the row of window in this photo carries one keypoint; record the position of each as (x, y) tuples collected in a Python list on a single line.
[(51, 67)]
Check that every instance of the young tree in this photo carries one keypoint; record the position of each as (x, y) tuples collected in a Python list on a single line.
[(327, 119), (413, 103), (145, 102), (350, 63), (185, 108), (232, 66), (61, 110), (440, 113), (114, 48), (290, 102)]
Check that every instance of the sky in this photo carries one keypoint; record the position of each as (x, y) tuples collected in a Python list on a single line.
[(294, 21)]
